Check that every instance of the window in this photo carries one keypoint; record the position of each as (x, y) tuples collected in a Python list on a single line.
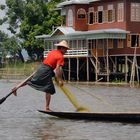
[(71, 44), (92, 16), (110, 16), (120, 43), (100, 43), (111, 13), (92, 44), (81, 14), (120, 15), (70, 18), (100, 14), (81, 44), (105, 16), (110, 43), (135, 11), (133, 40)]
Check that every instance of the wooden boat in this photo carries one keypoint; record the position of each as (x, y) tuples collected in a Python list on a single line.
[(110, 117)]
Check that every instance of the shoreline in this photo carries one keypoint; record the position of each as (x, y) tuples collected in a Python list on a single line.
[(77, 82)]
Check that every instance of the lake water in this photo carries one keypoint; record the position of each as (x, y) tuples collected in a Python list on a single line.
[(20, 120)]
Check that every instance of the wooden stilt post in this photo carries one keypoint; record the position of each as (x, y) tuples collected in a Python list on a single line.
[(126, 69), (116, 63), (107, 60), (96, 78), (69, 69), (132, 79), (77, 69), (137, 71), (87, 69)]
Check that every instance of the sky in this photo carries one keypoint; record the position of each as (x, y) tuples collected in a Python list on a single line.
[(3, 28)]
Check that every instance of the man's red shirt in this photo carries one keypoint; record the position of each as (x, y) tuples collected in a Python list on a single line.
[(54, 58)]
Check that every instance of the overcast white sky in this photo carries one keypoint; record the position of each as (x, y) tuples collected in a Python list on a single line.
[(3, 27), (2, 12), (2, 1)]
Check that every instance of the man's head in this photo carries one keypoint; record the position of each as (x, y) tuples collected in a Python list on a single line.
[(63, 46)]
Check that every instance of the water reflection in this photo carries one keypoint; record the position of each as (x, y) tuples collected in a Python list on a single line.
[(73, 130)]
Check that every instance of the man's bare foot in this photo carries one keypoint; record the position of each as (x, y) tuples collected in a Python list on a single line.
[(48, 109)]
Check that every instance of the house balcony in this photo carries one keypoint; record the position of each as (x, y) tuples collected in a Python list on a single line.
[(72, 53)]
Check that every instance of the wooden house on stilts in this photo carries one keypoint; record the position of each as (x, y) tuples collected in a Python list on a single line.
[(104, 37)]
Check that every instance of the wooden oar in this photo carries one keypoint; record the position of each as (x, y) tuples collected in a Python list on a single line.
[(72, 99), (17, 87)]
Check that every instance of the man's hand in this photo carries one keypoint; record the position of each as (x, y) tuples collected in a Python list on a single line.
[(14, 90), (58, 75), (61, 83)]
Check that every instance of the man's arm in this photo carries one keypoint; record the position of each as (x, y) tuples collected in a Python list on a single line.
[(58, 74)]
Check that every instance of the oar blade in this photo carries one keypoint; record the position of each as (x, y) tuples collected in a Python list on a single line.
[(73, 100), (82, 109), (2, 100), (18, 86)]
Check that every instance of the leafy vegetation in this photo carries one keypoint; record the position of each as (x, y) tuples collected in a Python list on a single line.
[(18, 70), (26, 19)]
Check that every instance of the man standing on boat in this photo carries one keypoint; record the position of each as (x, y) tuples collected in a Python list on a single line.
[(51, 66)]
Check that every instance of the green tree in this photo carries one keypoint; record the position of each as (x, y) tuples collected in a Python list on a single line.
[(31, 18), (9, 45), (3, 38)]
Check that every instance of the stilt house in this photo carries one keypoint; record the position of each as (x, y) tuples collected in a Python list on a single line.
[(104, 36)]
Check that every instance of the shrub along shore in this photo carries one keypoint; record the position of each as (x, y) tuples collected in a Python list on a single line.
[(17, 70)]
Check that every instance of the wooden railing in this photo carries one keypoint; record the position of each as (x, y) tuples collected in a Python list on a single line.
[(72, 53)]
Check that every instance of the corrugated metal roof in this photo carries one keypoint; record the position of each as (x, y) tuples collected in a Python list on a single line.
[(94, 0), (69, 32), (64, 30), (100, 31), (99, 34), (69, 2), (42, 36)]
